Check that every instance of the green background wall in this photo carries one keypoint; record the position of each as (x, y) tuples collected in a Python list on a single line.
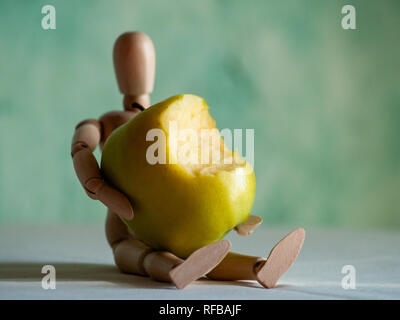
[(324, 102)]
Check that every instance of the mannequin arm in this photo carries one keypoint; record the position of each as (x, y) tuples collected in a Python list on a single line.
[(86, 138), (248, 226)]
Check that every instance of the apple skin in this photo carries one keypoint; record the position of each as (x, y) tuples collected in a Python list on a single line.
[(173, 210)]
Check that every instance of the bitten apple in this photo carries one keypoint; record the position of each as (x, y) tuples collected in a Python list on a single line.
[(187, 190)]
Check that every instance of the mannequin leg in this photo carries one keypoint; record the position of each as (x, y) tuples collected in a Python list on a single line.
[(267, 272), (236, 266), (129, 252), (133, 256)]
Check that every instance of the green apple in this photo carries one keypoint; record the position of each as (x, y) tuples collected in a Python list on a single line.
[(187, 188)]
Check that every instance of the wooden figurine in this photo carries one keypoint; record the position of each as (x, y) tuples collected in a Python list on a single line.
[(134, 62)]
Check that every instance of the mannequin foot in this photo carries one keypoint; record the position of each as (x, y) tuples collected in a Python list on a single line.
[(199, 263), (280, 259)]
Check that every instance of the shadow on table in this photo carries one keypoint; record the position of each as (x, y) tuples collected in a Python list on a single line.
[(101, 274)]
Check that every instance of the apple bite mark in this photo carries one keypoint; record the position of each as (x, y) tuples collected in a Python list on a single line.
[(194, 141)]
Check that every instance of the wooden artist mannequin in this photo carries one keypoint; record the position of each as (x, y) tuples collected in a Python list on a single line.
[(134, 62)]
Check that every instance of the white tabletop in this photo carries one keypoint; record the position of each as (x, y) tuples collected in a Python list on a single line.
[(85, 269)]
